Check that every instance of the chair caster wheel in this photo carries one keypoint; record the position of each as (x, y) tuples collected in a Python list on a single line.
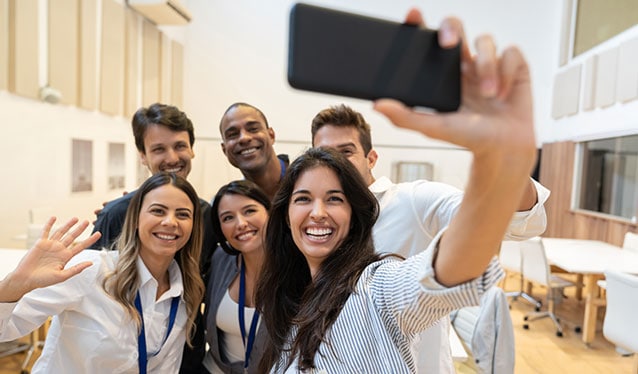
[(577, 329), (559, 334), (526, 327), (525, 318), (557, 319), (538, 309)]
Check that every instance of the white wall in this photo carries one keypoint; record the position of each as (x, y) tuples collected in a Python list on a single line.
[(618, 119), (236, 51)]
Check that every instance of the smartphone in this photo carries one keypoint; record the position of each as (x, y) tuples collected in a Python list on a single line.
[(353, 55)]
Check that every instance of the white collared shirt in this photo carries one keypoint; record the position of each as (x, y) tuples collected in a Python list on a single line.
[(410, 216), (90, 332)]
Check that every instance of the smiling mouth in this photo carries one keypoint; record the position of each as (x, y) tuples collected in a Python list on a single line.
[(248, 151), (166, 236), (319, 233), (173, 169), (246, 235)]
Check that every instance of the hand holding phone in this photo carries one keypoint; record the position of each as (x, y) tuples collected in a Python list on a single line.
[(353, 55)]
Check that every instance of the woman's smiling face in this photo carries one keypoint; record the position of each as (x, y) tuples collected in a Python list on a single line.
[(319, 215), (242, 220), (165, 222)]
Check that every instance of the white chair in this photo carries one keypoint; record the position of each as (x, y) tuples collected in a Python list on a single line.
[(512, 262), (487, 333), (630, 242), (621, 325), (536, 269)]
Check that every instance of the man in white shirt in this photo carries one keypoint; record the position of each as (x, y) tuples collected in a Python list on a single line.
[(411, 214)]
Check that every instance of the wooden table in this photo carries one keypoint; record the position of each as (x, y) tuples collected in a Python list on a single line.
[(590, 259)]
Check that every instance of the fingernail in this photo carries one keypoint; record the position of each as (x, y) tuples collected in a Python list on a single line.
[(448, 37)]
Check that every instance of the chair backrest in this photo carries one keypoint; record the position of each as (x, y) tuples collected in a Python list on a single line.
[(488, 333), (621, 325), (535, 265), (630, 242), (510, 256)]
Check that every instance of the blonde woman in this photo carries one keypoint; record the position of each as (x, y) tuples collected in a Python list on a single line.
[(128, 311)]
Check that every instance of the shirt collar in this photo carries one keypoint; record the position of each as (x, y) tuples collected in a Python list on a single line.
[(174, 277), (380, 185)]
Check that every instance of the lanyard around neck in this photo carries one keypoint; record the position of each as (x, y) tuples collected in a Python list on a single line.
[(283, 169), (142, 358), (253, 325)]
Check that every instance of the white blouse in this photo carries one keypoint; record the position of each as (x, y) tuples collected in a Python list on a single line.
[(90, 332)]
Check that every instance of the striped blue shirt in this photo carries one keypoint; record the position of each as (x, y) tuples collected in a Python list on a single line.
[(393, 301)]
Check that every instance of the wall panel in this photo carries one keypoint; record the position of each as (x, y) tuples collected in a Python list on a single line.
[(112, 59), (151, 56), (4, 44), (566, 92), (165, 69), (606, 66), (64, 49), (589, 83), (88, 55), (23, 48), (132, 62), (627, 86), (556, 174), (177, 75)]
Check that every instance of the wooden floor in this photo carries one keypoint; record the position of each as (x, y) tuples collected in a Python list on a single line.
[(538, 350)]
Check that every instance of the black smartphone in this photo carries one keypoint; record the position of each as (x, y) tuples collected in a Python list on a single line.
[(353, 55)]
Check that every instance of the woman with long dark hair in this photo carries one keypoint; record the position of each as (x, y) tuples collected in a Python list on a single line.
[(328, 300), (234, 333)]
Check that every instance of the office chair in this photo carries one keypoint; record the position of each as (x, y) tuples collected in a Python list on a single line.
[(487, 333), (536, 269), (621, 325), (512, 262)]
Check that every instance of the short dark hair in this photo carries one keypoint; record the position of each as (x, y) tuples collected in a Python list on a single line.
[(242, 187), (238, 104), (344, 116), (161, 115)]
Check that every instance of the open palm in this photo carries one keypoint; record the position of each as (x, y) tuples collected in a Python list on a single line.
[(44, 264)]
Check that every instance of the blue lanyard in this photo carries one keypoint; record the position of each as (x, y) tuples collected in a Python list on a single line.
[(253, 324), (283, 169), (142, 359)]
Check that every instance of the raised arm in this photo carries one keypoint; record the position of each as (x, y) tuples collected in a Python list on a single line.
[(43, 265), (495, 122)]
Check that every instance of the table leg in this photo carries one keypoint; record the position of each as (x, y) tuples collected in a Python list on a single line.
[(579, 287), (591, 308)]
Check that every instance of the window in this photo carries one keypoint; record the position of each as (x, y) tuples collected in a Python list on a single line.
[(598, 21), (609, 176), (405, 171)]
